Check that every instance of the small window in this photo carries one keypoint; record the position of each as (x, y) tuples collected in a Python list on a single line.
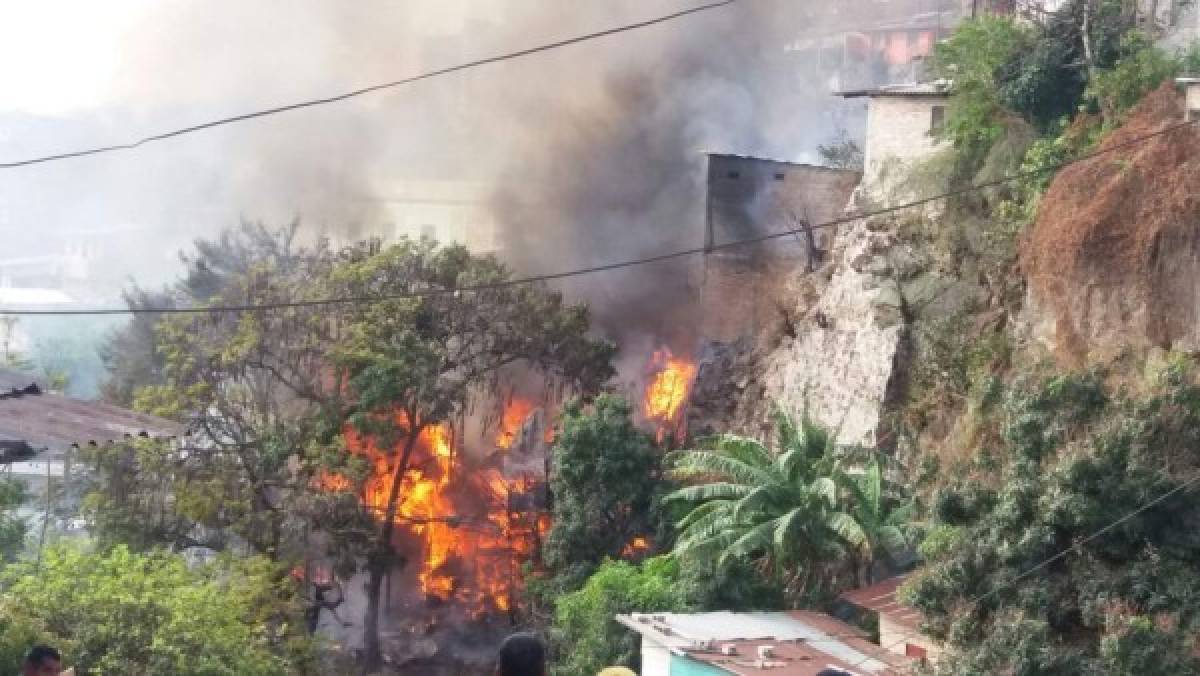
[(1193, 115), (734, 174), (779, 176), (937, 119)]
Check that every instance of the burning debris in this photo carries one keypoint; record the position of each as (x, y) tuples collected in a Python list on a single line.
[(462, 521)]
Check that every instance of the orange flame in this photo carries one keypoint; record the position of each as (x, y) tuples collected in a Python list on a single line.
[(471, 545), (515, 414), (636, 546), (668, 390)]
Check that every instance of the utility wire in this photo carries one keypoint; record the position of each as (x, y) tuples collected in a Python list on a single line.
[(1074, 547), (587, 37), (347, 300)]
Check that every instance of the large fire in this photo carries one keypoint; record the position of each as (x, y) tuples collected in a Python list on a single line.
[(667, 392), (456, 513)]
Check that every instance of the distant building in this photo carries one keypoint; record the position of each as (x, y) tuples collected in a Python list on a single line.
[(754, 200), (795, 643), (902, 126), (899, 624), (447, 211)]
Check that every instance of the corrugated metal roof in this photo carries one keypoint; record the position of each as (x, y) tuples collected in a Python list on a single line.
[(52, 421), (804, 642)]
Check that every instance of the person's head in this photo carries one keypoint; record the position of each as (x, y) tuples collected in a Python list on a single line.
[(521, 655), (41, 660)]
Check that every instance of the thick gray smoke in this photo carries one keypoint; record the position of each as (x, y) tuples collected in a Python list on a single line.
[(586, 155), (611, 164)]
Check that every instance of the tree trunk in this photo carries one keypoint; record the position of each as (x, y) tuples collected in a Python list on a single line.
[(1086, 34), (379, 560)]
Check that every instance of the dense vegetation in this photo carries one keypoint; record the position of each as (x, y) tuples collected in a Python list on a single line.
[(1065, 549), (119, 612)]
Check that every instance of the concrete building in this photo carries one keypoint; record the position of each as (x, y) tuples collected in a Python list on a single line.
[(795, 643), (902, 126), (899, 625), (749, 199)]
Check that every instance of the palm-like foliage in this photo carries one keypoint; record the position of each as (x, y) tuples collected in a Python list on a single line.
[(878, 507), (804, 511)]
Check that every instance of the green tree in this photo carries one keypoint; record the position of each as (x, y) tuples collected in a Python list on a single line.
[(972, 59), (1141, 68), (605, 482), (1076, 461), (12, 527), (255, 389), (125, 613), (417, 356), (586, 637), (786, 510)]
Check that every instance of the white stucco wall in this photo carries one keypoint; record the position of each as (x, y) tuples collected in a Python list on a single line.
[(656, 659), (898, 136)]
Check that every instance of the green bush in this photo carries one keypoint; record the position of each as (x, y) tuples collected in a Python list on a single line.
[(1076, 459), (586, 638), (126, 613)]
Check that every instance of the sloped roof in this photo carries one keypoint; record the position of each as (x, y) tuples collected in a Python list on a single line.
[(881, 598), (42, 420), (803, 642)]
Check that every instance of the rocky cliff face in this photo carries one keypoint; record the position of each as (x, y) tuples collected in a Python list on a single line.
[(1113, 259), (838, 365)]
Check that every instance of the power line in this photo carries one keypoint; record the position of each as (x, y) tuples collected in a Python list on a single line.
[(607, 267), (587, 37), (1074, 547)]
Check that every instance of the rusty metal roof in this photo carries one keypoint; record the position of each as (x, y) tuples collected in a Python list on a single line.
[(881, 598), (48, 421)]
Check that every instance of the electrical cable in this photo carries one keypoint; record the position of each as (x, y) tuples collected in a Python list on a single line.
[(615, 265), (266, 112)]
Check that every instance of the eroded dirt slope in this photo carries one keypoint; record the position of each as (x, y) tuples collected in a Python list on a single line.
[(1113, 259)]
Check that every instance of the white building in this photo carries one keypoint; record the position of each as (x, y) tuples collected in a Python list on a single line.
[(903, 122)]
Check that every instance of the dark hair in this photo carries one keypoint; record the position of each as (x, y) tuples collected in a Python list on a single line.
[(522, 655), (38, 654)]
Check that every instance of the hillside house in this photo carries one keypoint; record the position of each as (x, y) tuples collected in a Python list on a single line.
[(902, 126), (752, 198), (899, 624), (794, 643)]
